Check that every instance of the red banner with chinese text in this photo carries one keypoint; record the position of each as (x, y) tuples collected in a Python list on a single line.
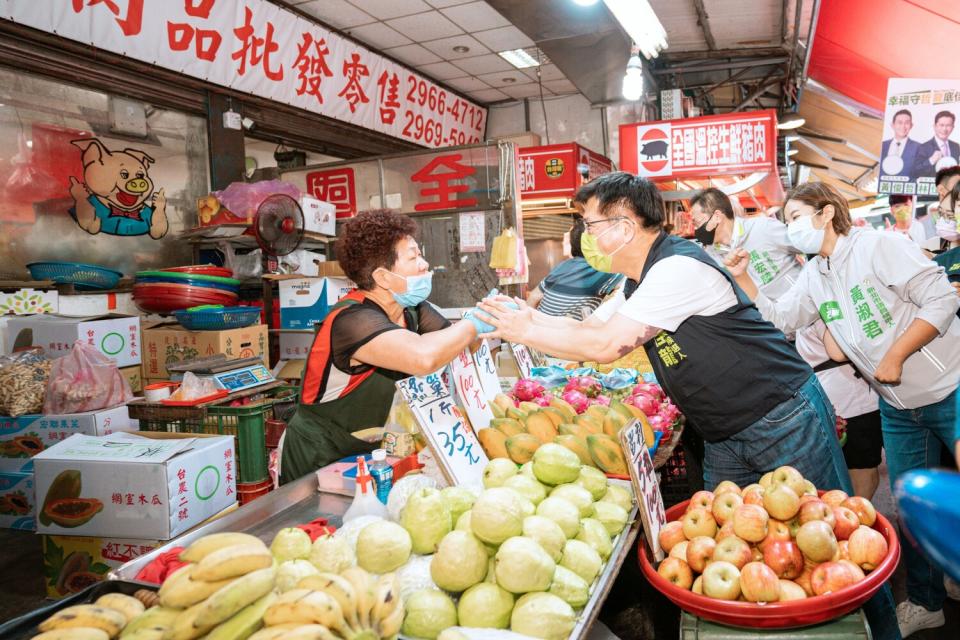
[(556, 171)]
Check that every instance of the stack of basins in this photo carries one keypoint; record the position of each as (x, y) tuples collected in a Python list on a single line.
[(168, 290)]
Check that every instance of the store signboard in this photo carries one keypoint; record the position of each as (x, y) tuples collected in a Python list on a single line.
[(556, 171), (645, 485), (260, 48), (919, 134), (727, 144)]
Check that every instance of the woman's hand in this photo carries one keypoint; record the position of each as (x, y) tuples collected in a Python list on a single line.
[(510, 318), (956, 286), (889, 370), (737, 262)]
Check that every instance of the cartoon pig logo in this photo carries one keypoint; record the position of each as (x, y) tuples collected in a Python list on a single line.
[(117, 195)]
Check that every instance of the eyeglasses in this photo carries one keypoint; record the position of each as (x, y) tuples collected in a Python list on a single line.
[(589, 225)]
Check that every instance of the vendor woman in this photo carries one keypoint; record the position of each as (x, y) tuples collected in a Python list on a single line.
[(382, 332)]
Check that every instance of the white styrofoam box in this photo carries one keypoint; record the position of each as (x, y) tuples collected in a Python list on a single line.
[(318, 216), (116, 336), (86, 305)]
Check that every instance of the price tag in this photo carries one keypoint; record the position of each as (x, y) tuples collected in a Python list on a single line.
[(487, 371), (645, 485), (458, 452), (524, 360), (466, 381)]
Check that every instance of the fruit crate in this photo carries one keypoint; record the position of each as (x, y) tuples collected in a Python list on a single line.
[(681, 476)]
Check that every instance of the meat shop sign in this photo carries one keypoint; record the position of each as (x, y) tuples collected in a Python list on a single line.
[(728, 144)]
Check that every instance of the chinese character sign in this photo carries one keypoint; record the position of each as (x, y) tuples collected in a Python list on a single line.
[(733, 143), (645, 485), (919, 134), (470, 391), (261, 48)]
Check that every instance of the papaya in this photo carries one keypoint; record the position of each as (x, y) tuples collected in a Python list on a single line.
[(76, 562), (607, 454), (508, 426), (31, 445), (66, 485), (555, 415), (639, 415), (73, 512), (497, 411), (574, 430), (494, 443), (597, 411), (17, 503), (613, 423), (577, 445), (589, 423), (80, 580), (561, 405), (504, 402), (541, 426), (648, 436), (516, 414), (529, 407), (621, 409), (521, 447)]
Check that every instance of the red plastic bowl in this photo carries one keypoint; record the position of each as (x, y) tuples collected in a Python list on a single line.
[(775, 615), (202, 270)]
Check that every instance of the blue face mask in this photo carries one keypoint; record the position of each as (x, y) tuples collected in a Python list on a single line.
[(418, 289)]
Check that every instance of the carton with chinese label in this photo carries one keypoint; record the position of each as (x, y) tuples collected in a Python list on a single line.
[(134, 377), (318, 216), (165, 344), (146, 485), (295, 343), (17, 503), (115, 336), (306, 301), (23, 437)]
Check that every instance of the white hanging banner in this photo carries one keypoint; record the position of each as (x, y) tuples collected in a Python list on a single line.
[(263, 49)]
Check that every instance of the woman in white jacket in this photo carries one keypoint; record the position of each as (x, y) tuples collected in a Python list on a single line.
[(892, 313)]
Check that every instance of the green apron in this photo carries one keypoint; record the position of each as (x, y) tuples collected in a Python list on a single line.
[(319, 434)]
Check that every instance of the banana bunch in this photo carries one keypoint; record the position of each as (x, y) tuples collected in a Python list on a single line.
[(103, 620), (350, 606)]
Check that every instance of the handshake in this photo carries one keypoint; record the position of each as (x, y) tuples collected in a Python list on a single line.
[(477, 317)]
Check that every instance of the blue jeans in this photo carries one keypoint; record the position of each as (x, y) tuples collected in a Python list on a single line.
[(800, 432), (912, 439)]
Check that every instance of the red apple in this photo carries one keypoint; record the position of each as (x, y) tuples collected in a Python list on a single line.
[(817, 510), (757, 553), (759, 583), (725, 531), (790, 590), (754, 496), (698, 522), (726, 487), (835, 497), (671, 535), (766, 479), (734, 551), (697, 585), (847, 522), (844, 547), (830, 577), (868, 548), (724, 506), (677, 572), (751, 487), (857, 572), (679, 550), (776, 532), (721, 580), (781, 502), (700, 552), (750, 522), (702, 499), (791, 477), (785, 558), (816, 541), (863, 508), (805, 498), (804, 580)]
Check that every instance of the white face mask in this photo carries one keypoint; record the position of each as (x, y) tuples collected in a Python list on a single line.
[(804, 237)]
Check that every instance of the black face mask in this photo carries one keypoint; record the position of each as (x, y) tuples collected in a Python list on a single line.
[(703, 235)]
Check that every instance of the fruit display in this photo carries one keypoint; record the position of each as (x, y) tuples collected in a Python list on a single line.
[(777, 541)]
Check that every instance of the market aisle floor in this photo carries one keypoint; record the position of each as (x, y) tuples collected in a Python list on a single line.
[(22, 590)]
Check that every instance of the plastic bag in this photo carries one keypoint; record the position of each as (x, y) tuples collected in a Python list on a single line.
[(245, 266), (84, 380), (23, 382), (244, 198), (194, 388)]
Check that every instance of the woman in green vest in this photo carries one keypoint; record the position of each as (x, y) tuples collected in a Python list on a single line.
[(382, 332)]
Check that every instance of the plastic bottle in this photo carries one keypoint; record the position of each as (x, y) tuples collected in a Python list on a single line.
[(382, 474), (365, 502)]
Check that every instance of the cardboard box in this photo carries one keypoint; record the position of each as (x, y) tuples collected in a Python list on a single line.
[(93, 557), (295, 343), (97, 304), (18, 506), (116, 336), (318, 216), (145, 485), (330, 269), (29, 301), (134, 377), (23, 437), (170, 343), (306, 301)]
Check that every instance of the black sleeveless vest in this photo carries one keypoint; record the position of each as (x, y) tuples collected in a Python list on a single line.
[(726, 371)]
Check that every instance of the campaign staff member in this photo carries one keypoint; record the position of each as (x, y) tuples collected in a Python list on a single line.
[(756, 403), (380, 333), (891, 312)]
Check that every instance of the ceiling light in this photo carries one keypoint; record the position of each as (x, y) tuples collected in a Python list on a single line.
[(792, 152), (585, 3), (633, 79), (641, 24), (461, 49), (791, 138), (508, 80), (519, 58), (791, 121)]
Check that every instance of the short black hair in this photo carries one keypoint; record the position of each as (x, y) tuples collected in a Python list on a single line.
[(576, 232), (712, 199), (900, 199), (902, 112), (625, 189), (944, 174), (944, 114)]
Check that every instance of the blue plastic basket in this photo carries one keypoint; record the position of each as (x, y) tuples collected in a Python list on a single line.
[(83, 276), (215, 318)]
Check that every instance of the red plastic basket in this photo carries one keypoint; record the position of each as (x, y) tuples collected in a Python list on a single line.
[(775, 615), (202, 270)]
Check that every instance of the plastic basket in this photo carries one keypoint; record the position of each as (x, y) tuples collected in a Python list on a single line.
[(217, 318), (83, 276), (193, 283)]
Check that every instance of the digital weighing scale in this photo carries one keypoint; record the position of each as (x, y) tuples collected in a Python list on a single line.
[(230, 375)]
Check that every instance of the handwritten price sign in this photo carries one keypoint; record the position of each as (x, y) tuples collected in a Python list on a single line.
[(645, 485), (487, 371), (470, 390), (524, 359)]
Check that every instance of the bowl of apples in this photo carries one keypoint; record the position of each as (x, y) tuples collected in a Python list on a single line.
[(776, 555)]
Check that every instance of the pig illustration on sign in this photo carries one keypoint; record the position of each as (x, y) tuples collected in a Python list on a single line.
[(654, 149), (117, 195)]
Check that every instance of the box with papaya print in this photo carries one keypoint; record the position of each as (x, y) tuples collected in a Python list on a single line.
[(18, 506)]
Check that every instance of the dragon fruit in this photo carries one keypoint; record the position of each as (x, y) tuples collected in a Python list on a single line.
[(648, 404), (542, 401), (527, 390), (584, 384), (576, 399), (659, 423), (649, 389), (669, 412), (601, 400)]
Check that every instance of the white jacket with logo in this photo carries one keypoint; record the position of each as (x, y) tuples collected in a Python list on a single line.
[(773, 260), (868, 292)]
